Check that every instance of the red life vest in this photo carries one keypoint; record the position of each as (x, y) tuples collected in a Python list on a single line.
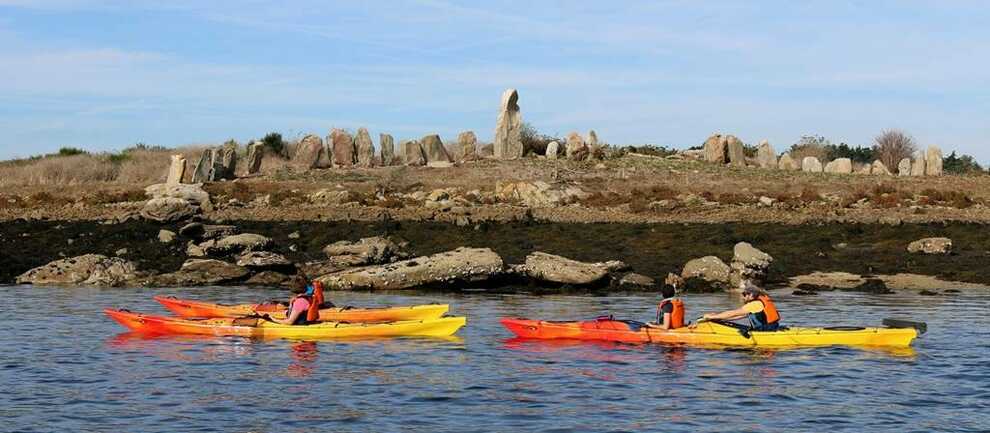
[(769, 310), (676, 315), (315, 301)]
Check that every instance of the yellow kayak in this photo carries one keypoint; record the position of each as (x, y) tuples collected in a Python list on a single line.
[(189, 308), (254, 327)]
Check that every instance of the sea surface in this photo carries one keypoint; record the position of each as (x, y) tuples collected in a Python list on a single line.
[(66, 367)]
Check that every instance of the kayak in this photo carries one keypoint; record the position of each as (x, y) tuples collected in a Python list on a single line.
[(188, 308), (256, 327), (711, 333)]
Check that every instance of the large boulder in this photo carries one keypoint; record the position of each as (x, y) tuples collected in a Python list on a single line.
[(933, 161), (230, 245), (201, 173), (748, 263), (810, 164), (904, 167), (176, 169), (716, 149), (343, 148), (388, 149), (371, 250), (263, 259), (193, 193), (89, 269), (508, 128), (228, 161), (878, 168), (365, 148), (931, 246), (201, 272), (553, 148), (787, 163), (434, 150), (737, 155), (765, 156), (412, 152), (467, 142), (709, 269), (168, 209), (255, 154), (308, 152), (200, 231), (839, 166), (460, 265), (576, 149), (538, 194), (557, 269)]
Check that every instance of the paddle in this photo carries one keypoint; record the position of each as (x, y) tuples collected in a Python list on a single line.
[(921, 327)]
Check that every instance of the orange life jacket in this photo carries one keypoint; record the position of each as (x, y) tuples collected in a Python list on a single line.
[(769, 310), (315, 301), (676, 315)]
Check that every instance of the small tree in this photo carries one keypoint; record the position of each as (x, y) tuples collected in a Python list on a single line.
[(274, 143), (810, 145), (964, 164), (892, 146), (535, 142)]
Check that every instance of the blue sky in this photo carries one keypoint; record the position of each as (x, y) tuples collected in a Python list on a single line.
[(103, 75)]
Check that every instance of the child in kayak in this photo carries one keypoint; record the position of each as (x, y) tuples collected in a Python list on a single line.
[(299, 303), (762, 313), (670, 310)]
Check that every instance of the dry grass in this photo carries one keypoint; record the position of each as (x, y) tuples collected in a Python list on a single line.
[(131, 167)]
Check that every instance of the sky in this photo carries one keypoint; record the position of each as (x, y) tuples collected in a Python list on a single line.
[(104, 75)]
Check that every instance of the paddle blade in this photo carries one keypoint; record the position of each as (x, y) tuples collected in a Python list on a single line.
[(922, 327)]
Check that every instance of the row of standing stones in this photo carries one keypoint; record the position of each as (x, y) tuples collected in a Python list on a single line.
[(728, 149)]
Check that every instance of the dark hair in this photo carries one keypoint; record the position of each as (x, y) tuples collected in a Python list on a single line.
[(299, 285), (667, 291)]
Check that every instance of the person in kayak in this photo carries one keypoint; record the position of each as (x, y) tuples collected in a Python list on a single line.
[(304, 305), (670, 310), (762, 313)]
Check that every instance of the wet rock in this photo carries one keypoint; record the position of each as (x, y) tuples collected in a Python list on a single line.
[(166, 236), (765, 156), (933, 161), (931, 246), (388, 149), (88, 269), (709, 269), (460, 265), (557, 269), (925, 292), (373, 250), (538, 194), (323, 267), (343, 148), (365, 148), (508, 128), (412, 152), (200, 231), (839, 166), (748, 263), (800, 292), (255, 154), (176, 169), (874, 286), (262, 259), (810, 164), (199, 272)]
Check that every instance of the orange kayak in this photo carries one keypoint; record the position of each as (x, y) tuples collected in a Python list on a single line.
[(260, 328), (188, 308)]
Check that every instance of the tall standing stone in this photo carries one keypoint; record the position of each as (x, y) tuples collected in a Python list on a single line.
[(365, 149), (468, 144), (810, 164), (434, 150), (715, 149), (594, 147), (176, 169), (765, 156), (308, 152), (787, 163), (904, 167), (737, 155), (553, 148), (933, 161), (508, 129), (918, 166), (216, 165), (412, 153), (255, 153), (228, 159), (388, 149), (576, 149), (202, 172), (343, 148)]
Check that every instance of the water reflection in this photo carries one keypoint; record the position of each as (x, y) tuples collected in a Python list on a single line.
[(304, 354)]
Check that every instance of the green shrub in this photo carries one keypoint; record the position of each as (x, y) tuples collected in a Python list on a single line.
[(274, 143), (69, 151)]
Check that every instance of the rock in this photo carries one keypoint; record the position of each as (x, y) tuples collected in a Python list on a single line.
[(365, 148), (734, 147), (931, 246), (373, 250), (228, 161), (308, 152), (343, 148), (230, 245), (634, 281), (576, 149), (329, 197), (270, 279), (918, 165), (716, 149), (255, 154), (388, 149), (166, 236), (262, 259), (767, 201), (434, 150), (168, 209), (749, 262), (198, 272), (865, 170), (88, 269), (412, 152), (537, 194), (553, 148), (193, 193), (872, 285), (508, 128), (468, 144), (787, 163), (201, 231), (460, 265), (711, 269), (933, 161), (120, 252), (202, 171), (318, 268), (839, 166), (904, 167), (176, 170), (216, 165), (765, 156), (594, 148), (810, 164), (879, 169), (557, 269)]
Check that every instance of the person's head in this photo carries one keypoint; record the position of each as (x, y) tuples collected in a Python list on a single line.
[(667, 291), (298, 285), (749, 290)]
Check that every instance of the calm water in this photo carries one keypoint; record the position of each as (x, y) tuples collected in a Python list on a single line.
[(74, 370)]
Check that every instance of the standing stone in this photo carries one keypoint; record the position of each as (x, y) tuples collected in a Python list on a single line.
[(434, 150), (787, 163), (737, 156), (715, 149), (594, 148), (412, 153), (308, 152), (765, 156), (365, 149), (216, 165), (508, 137), (343, 148), (839, 166), (592, 138), (388, 148), (933, 161), (879, 169), (202, 172), (576, 149), (918, 166), (228, 159), (866, 169), (810, 164), (552, 149), (904, 167), (468, 144), (176, 170), (255, 153)]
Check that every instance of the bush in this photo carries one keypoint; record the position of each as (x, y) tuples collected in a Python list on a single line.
[(274, 144), (860, 154), (535, 142), (961, 164), (892, 146), (70, 151)]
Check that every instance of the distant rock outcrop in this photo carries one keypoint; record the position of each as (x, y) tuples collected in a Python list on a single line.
[(553, 148), (918, 165)]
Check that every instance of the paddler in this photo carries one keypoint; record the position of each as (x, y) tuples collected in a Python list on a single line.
[(670, 310), (757, 305), (304, 305)]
